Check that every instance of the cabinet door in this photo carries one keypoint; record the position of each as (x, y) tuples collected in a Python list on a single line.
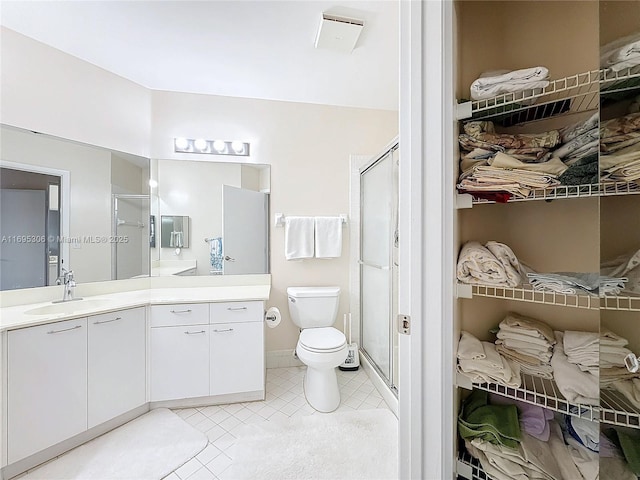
[(237, 357), (179, 362), (117, 364), (47, 386)]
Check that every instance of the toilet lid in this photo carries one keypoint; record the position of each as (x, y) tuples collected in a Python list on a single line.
[(322, 339)]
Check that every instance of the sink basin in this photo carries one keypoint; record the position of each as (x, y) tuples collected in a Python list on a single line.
[(68, 307)]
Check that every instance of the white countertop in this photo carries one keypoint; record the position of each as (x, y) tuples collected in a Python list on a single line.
[(17, 317)]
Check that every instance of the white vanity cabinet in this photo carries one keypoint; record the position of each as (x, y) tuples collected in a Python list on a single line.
[(201, 350), (237, 347), (47, 386), (179, 351), (116, 363)]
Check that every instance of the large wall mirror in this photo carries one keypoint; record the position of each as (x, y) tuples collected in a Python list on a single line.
[(92, 210), (225, 207)]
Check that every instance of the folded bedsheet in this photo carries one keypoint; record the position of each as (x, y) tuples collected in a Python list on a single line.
[(493, 264)]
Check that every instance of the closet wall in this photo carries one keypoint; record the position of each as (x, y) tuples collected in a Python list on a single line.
[(555, 234)]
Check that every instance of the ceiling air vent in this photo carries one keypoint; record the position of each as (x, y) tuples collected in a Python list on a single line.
[(338, 33)]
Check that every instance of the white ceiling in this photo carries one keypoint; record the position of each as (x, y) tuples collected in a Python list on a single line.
[(258, 49)]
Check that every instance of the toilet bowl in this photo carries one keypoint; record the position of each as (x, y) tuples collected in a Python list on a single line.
[(322, 350), (320, 346)]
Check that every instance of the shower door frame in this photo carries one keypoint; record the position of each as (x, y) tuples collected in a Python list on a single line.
[(114, 228), (392, 380)]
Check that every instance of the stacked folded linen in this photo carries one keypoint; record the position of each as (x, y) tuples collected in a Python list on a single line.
[(527, 342), (492, 264), (481, 363), (583, 171), (567, 283), (578, 140), (625, 268), (532, 459), (582, 350), (620, 149), (621, 53), (517, 182), (576, 385), (492, 84), (609, 376)]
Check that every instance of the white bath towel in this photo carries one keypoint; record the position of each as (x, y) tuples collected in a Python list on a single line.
[(576, 386), (607, 337), (470, 348), (476, 264), (328, 237), (298, 237), (492, 84), (509, 261)]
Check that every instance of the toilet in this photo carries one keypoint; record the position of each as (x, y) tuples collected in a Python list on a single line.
[(320, 346)]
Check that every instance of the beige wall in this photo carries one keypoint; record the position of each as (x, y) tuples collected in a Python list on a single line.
[(46, 90), (308, 148)]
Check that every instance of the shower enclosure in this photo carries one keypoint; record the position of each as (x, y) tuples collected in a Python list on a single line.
[(379, 264), (131, 234)]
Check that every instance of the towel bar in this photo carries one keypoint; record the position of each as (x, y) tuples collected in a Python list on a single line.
[(280, 217)]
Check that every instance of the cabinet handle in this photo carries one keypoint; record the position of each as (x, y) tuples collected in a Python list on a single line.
[(226, 330), (233, 309), (195, 333), (181, 311), (100, 322), (63, 330)]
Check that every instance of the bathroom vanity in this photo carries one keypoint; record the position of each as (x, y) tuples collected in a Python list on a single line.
[(72, 371)]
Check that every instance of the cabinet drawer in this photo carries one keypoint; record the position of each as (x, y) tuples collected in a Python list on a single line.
[(179, 314), (227, 312)]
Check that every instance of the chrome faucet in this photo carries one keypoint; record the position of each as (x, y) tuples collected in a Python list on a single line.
[(69, 284)]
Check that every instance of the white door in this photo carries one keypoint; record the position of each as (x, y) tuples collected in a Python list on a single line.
[(117, 364), (47, 386), (23, 250), (245, 231), (425, 396)]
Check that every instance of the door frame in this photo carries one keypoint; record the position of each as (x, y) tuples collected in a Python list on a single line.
[(65, 186), (426, 283)]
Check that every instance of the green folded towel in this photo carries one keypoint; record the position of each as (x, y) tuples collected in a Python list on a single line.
[(497, 424), (629, 443)]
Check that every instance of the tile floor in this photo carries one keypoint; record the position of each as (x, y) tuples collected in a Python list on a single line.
[(284, 399)]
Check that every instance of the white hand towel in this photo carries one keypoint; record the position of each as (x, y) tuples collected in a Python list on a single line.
[(298, 237), (328, 237)]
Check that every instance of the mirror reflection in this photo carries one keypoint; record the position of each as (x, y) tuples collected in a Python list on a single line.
[(175, 231), (92, 210), (227, 205), (64, 205)]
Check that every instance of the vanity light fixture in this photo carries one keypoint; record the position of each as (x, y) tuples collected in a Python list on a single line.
[(212, 147)]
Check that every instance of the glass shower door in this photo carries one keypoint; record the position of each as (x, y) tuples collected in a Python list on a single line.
[(378, 227)]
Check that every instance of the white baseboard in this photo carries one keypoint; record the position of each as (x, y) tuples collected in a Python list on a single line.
[(282, 358)]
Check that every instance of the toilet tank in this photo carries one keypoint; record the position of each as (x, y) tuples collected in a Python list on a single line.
[(313, 307)]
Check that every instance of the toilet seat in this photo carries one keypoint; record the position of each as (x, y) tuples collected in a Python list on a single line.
[(322, 340)]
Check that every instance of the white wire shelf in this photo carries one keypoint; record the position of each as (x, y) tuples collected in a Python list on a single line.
[(572, 94), (469, 467), (617, 82), (571, 191), (530, 295), (536, 391), (615, 409), (625, 303)]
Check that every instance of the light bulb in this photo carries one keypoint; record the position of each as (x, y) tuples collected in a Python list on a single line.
[(181, 143), (153, 183), (200, 144), (219, 146), (237, 146)]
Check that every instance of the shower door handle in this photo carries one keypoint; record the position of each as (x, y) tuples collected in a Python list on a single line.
[(229, 259), (373, 265)]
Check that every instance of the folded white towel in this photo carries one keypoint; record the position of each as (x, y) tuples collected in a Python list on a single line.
[(476, 264), (607, 337), (470, 348), (621, 53), (492, 84), (298, 237), (576, 385), (576, 341), (508, 260), (328, 237)]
